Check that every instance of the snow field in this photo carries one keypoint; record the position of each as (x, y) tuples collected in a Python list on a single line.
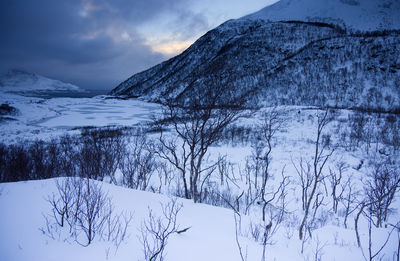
[(212, 229)]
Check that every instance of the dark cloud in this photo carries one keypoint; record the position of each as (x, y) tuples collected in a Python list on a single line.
[(80, 41), (187, 23)]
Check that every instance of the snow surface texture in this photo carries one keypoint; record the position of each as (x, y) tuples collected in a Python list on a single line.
[(211, 235), (46, 118), (357, 14), (16, 81)]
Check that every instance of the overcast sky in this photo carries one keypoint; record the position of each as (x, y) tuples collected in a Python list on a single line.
[(99, 43)]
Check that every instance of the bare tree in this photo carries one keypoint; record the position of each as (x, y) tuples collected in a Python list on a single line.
[(197, 124), (383, 184), (335, 179), (156, 231), (318, 163), (273, 121), (177, 155), (138, 162), (349, 199), (371, 254), (238, 224)]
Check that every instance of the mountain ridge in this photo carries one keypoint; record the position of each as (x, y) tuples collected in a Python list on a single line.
[(365, 15), (283, 62), (19, 81)]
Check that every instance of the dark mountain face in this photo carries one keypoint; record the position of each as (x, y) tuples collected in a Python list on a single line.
[(281, 63)]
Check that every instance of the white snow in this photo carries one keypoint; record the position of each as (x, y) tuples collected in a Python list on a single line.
[(211, 235), (356, 14), (40, 118), (212, 232)]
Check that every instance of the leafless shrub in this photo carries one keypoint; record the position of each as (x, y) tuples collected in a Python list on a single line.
[(84, 212), (17, 164), (100, 151), (335, 179), (93, 211), (138, 163), (311, 176), (63, 203), (156, 231), (319, 250), (349, 199), (273, 121), (238, 224), (383, 184), (116, 226), (373, 251), (68, 156)]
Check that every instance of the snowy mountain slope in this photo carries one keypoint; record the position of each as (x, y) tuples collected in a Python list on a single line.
[(355, 14), (293, 63), (21, 82)]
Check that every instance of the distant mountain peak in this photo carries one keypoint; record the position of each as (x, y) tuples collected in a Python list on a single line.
[(366, 15), (19, 81)]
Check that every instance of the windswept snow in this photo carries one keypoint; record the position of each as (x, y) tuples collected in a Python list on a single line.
[(356, 14)]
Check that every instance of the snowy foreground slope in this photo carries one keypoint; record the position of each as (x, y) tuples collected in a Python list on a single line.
[(23, 204), (211, 235)]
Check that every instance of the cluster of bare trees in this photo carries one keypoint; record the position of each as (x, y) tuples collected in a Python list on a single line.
[(373, 132), (96, 154), (319, 181), (82, 211), (139, 162)]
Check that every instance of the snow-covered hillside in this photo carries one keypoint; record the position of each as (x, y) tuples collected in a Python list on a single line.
[(308, 171), (21, 82), (356, 14), (292, 61), (211, 235)]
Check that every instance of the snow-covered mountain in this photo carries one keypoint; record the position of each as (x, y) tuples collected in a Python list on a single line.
[(21, 82), (356, 14), (292, 62)]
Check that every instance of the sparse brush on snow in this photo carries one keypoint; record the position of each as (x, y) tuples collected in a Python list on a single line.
[(82, 212)]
